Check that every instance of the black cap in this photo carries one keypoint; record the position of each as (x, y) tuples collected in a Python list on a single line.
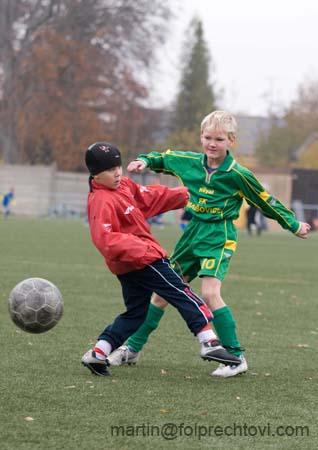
[(102, 156)]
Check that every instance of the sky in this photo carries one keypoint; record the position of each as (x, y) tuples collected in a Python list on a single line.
[(261, 51)]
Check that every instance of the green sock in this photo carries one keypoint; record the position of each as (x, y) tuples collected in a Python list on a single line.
[(140, 337), (225, 327)]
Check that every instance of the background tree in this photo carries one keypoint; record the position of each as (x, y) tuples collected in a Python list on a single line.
[(196, 96), (68, 105), (73, 74), (19, 20), (300, 119)]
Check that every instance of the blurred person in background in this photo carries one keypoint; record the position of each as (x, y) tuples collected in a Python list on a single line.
[(185, 219), (7, 202)]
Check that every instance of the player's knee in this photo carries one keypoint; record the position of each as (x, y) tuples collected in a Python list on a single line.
[(159, 302), (212, 297)]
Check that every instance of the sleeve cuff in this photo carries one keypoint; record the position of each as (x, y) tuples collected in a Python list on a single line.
[(143, 160), (298, 228)]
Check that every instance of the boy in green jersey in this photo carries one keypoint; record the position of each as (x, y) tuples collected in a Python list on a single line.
[(217, 185)]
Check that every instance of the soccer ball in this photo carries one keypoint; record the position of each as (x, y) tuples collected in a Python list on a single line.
[(35, 305)]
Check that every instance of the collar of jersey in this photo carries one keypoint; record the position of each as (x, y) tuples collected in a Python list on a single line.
[(226, 165)]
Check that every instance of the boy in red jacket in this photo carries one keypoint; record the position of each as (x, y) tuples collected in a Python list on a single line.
[(117, 213)]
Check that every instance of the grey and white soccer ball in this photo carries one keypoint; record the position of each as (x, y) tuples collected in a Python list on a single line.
[(35, 305)]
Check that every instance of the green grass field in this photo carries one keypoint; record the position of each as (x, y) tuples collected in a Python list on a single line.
[(272, 288)]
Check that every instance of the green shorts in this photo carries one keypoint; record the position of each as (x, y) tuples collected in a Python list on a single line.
[(205, 249)]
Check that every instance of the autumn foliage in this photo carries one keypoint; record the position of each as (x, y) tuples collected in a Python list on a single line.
[(67, 93), (69, 76)]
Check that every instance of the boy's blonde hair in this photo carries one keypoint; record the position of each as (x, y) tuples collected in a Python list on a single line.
[(220, 120)]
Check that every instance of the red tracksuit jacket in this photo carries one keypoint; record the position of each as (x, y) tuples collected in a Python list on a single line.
[(118, 226)]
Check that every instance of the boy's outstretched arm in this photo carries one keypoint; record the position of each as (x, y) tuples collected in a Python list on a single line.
[(156, 161), (257, 195), (303, 230), (136, 166)]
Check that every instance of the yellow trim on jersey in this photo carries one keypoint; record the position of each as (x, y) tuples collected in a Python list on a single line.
[(231, 165), (264, 195), (180, 179), (221, 257), (298, 229), (172, 153), (230, 245), (224, 208)]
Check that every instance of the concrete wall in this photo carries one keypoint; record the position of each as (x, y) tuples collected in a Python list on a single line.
[(69, 193), (42, 190)]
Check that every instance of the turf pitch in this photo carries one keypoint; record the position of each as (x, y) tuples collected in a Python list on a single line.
[(49, 401)]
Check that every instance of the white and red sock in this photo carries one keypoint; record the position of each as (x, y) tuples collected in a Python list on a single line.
[(102, 349), (206, 334)]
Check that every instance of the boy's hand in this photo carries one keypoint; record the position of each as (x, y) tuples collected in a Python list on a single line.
[(136, 166), (304, 230)]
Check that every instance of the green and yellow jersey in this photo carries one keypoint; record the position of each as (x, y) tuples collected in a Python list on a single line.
[(218, 196)]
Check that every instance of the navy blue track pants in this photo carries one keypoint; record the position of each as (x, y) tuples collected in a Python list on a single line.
[(137, 288)]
